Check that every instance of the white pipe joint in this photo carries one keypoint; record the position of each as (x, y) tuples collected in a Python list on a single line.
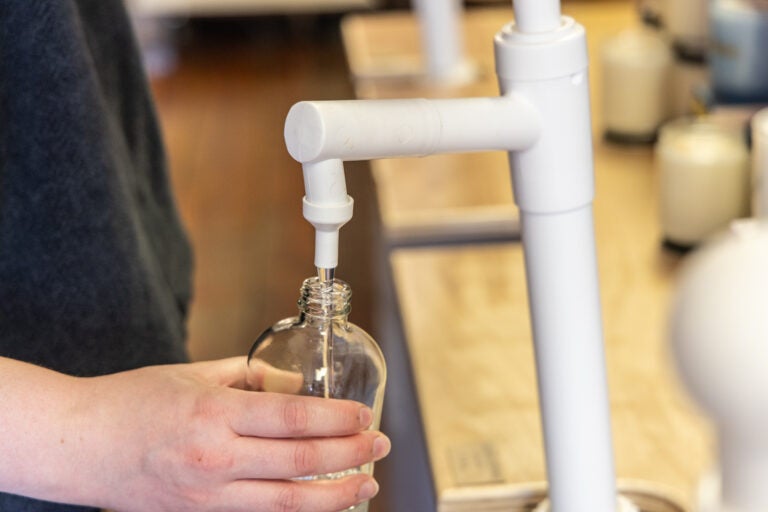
[(322, 134), (550, 70)]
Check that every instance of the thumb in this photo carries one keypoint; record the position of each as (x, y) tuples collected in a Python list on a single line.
[(230, 372)]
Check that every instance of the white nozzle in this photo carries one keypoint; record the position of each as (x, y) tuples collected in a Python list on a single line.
[(327, 207), (536, 16)]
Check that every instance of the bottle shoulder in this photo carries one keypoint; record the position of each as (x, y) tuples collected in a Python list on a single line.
[(297, 332)]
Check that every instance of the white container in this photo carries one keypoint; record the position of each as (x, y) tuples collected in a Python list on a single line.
[(760, 164), (703, 178), (637, 64), (687, 22), (719, 338)]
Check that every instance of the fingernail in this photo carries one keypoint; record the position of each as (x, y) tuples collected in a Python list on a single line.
[(381, 446), (368, 490), (365, 416)]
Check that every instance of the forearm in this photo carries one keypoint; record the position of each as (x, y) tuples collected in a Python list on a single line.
[(44, 445)]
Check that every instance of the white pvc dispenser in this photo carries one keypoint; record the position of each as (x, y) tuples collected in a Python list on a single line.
[(543, 120)]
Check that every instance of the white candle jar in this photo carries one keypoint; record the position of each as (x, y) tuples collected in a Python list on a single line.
[(687, 22), (703, 179), (636, 66)]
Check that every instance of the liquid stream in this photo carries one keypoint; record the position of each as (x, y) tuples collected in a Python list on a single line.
[(326, 276)]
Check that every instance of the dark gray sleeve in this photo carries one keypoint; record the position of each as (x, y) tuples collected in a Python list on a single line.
[(94, 264)]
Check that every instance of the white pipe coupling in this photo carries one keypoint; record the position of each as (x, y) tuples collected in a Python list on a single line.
[(525, 56), (327, 220)]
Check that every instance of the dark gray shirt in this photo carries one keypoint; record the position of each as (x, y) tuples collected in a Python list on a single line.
[(94, 264)]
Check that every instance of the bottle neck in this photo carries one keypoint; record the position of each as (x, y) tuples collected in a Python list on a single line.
[(324, 301)]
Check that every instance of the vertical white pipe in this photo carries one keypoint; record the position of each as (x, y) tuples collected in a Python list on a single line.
[(441, 36), (554, 187), (325, 182), (565, 313), (534, 16)]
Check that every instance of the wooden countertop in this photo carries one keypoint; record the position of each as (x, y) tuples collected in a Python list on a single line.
[(464, 308), (465, 318)]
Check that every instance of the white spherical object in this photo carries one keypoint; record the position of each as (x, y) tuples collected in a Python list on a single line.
[(720, 328)]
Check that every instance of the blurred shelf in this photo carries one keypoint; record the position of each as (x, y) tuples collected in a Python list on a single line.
[(243, 7)]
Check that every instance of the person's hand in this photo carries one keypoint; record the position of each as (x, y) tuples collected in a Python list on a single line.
[(189, 438)]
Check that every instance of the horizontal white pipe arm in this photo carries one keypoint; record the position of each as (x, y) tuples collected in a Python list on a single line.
[(370, 129)]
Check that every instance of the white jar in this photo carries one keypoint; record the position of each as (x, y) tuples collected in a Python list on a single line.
[(703, 179), (687, 22), (636, 66)]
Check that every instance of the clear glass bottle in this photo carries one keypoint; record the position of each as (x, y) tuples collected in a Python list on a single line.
[(320, 353)]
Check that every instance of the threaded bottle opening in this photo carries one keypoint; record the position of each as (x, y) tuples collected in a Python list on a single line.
[(325, 299)]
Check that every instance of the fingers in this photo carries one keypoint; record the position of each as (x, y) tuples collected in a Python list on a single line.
[(262, 376), (282, 458), (303, 496), (230, 372), (282, 416)]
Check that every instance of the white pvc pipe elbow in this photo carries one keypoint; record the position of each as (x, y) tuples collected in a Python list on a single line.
[(322, 134)]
